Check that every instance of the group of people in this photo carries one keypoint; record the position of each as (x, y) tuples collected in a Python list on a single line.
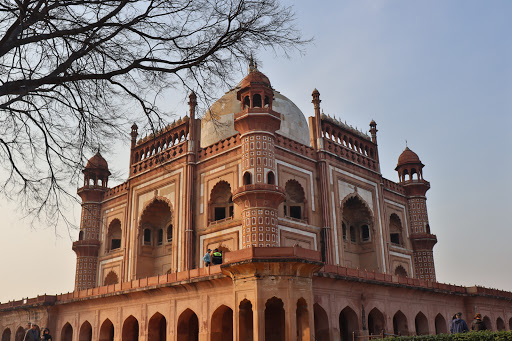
[(33, 334), (458, 325), (212, 257)]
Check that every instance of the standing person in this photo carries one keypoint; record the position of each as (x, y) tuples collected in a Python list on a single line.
[(458, 325), (477, 324), (46, 335), (207, 258), (32, 333), (217, 257)]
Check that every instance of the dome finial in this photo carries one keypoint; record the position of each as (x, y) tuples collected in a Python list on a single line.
[(253, 66)]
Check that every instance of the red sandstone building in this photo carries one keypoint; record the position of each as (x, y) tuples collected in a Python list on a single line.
[(317, 244)]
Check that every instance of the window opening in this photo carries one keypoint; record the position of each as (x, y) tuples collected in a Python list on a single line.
[(365, 231), (160, 237), (147, 237)]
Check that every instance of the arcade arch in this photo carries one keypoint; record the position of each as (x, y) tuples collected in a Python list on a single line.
[(348, 323), (85, 332), (130, 329), (487, 321), (376, 322), (441, 326), (20, 334), (274, 320), (6, 335), (157, 328), (500, 324), (245, 321), (400, 326), (107, 331), (421, 324), (321, 323), (66, 332), (222, 324), (188, 326), (302, 317)]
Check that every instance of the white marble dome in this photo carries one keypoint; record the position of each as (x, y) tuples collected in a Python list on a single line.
[(218, 123)]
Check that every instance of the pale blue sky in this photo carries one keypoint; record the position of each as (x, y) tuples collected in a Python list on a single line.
[(435, 73)]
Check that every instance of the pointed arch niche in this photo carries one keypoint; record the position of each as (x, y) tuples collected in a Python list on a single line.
[(294, 205), (154, 256), (360, 244), (220, 205)]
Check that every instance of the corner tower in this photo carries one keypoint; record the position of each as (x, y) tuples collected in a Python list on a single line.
[(410, 174), (258, 196), (96, 175)]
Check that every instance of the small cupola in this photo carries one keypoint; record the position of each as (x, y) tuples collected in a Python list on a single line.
[(255, 90), (96, 171), (409, 166)]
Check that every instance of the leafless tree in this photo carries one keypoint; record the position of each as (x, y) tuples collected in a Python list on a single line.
[(69, 71)]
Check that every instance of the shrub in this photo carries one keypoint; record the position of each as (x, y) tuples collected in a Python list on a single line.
[(471, 336)]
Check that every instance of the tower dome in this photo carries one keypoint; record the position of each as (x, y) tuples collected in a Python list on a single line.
[(408, 157), (97, 162), (218, 122)]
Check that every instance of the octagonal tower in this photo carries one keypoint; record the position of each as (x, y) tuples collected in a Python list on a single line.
[(258, 196)]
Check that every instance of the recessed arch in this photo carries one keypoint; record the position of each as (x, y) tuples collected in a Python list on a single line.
[(157, 328), (245, 321), (376, 322), (487, 322), (130, 330), (247, 178), (348, 323), (111, 278), (222, 324), (440, 323), (271, 179), (400, 271), (500, 324), (85, 333), (510, 324), (114, 235), (395, 229), (107, 331), (302, 320), (321, 323), (221, 201), (188, 326), (256, 101), (66, 333), (295, 201), (421, 324), (20, 334), (274, 320), (400, 325), (6, 335)]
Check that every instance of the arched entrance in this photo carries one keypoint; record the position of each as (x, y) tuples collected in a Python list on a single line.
[(153, 259), (188, 326), (348, 323), (510, 324), (376, 322), (421, 324), (222, 324), (487, 322), (20, 334), (157, 328), (400, 326), (130, 329), (441, 327), (245, 321), (274, 320), (302, 316), (107, 331), (500, 324), (85, 332), (66, 333), (361, 250), (321, 323), (6, 335)]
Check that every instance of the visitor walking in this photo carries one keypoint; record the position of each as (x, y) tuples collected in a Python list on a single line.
[(207, 258), (217, 257), (32, 333), (46, 335), (477, 324), (458, 325)]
